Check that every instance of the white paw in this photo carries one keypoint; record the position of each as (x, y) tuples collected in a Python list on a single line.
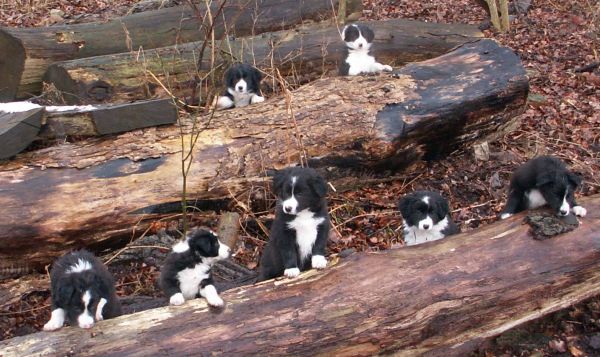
[(505, 215), (177, 299), (52, 325), (224, 103), (214, 300), (257, 99), (579, 211), (318, 262), (387, 68), (291, 272)]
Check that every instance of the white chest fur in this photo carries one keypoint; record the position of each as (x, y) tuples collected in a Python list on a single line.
[(360, 62), (190, 278), (535, 198), (240, 99), (305, 224), (413, 235)]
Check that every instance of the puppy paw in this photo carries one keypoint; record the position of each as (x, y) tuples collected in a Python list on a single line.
[(224, 103), (214, 300), (52, 325), (318, 262), (579, 211), (291, 272), (387, 68), (257, 99), (505, 215), (177, 299)]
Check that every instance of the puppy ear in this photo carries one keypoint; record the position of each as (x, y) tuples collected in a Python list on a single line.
[(444, 206), (344, 32), (200, 242), (574, 179), (257, 75), (403, 205), (318, 185), (278, 181), (367, 33), (543, 179)]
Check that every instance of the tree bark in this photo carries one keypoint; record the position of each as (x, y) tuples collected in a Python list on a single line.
[(91, 193), (443, 298), (299, 54), (18, 130), (33, 49)]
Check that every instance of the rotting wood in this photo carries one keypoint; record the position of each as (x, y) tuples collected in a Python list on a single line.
[(443, 298), (91, 193), (300, 54), (33, 49), (18, 130)]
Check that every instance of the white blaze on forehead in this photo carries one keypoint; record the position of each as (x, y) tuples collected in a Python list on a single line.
[(85, 320), (425, 199), (81, 265), (291, 202), (565, 205), (241, 84)]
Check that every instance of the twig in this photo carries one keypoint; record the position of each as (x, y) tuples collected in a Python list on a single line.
[(133, 247)]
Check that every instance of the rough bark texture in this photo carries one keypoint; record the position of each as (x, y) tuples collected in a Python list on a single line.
[(108, 119), (442, 298), (88, 193), (299, 54), (33, 49)]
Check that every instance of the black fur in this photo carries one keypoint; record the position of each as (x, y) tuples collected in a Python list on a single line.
[(244, 71), (282, 250), (203, 244), (67, 288), (547, 174)]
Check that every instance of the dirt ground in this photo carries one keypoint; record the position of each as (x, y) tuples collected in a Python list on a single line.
[(556, 40)]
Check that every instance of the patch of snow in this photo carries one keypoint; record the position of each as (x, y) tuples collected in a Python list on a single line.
[(16, 107), (64, 108)]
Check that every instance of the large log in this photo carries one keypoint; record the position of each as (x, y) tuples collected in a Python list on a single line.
[(33, 49), (18, 130), (443, 298), (87, 193), (307, 53)]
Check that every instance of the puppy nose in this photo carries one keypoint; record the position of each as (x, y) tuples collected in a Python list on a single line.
[(360, 45), (425, 226), (240, 88), (563, 212), (287, 209)]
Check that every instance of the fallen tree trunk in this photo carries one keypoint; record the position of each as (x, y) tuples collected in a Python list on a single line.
[(299, 54), (33, 49), (443, 298), (91, 193), (18, 130)]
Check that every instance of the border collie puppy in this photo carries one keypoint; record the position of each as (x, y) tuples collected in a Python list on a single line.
[(359, 39), (243, 87), (426, 217), (544, 180), (299, 233), (187, 270), (83, 291)]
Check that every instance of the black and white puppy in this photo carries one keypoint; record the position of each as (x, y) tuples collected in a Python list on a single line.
[(426, 217), (186, 272), (301, 227), (82, 290), (359, 39), (243, 87), (544, 180)]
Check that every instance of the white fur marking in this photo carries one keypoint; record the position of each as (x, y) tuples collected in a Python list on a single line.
[(306, 226), (190, 278), (240, 99), (99, 309), (57, 320), (535, 198), (564, 207), (505, 215), (579, 211), (256, 99), (291, 204), (181, 246), (425, 199), (224, 102), (291, 272), (212, 297), (318, 262), (414, 235), (177, 299), (224, 250), (85, 320), (82, 265), (426, 222)]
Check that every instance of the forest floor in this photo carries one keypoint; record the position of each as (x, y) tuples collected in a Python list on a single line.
[(556, 40)]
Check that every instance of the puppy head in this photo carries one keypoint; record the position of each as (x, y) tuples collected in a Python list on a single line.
[(205, 244), (555, 187), (79, 295), (358, 37), (423, 209), (299, 188), (242, 78)]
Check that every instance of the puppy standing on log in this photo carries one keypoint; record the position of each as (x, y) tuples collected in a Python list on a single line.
[(83, 291), (243, 87), (299, 233), (544, 180), (187, 270), (426, 217), (359, 39)]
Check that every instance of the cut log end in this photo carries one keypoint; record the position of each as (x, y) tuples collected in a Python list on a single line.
[(11, 66)]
